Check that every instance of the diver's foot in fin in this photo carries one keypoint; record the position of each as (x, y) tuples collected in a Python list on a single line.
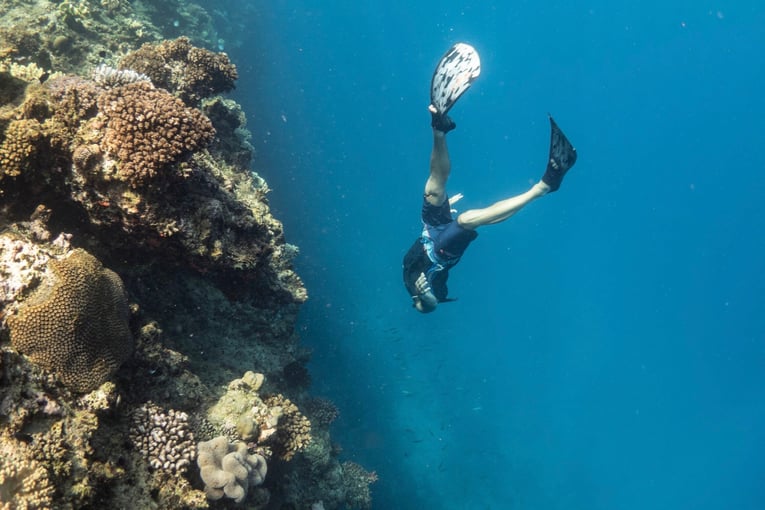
[(440, 121), (562, 157)]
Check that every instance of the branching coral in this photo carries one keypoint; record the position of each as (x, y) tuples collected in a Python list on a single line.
[(23, 139), (147, 129), (24, 482), (356, 481), (77, 324), (293, 432), (190, 72), (322, 411)]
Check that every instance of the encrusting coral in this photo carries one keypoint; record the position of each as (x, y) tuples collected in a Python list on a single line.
[(76, 325), (228, 469), (147, 128)]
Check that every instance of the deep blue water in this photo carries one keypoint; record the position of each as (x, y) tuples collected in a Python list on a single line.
[(607, 350)]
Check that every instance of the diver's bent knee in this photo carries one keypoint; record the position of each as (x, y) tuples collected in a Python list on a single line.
[(468, 221)]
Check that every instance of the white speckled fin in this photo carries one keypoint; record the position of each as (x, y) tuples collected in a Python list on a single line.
[(458, 68)]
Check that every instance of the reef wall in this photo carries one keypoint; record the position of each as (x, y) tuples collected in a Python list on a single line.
[(148, 354)]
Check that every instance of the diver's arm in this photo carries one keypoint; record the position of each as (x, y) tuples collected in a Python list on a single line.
[(424, 301)]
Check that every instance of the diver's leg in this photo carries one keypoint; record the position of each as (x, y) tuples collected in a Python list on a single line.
[(502, 210), (562, 157), (435, 187)]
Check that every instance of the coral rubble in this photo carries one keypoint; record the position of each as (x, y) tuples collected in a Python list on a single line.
[(141, 274)]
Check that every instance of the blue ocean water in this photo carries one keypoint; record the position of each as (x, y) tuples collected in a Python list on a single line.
[(608, 344)]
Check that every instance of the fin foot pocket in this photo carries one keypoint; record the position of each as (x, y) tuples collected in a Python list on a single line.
[(442, 122)]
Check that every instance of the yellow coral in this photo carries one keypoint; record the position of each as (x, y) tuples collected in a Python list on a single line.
[(24, 482), (78, 327), (22, 138), (26, 72)]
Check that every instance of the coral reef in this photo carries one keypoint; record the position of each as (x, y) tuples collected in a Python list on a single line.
[(117, 151), (76, 324), (228, 469)]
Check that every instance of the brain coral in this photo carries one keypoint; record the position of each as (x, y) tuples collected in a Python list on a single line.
[(76, 327), (228, 469), (148, 128)]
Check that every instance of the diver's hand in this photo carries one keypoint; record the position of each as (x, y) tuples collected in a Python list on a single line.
[(422, 284), (425, 300)]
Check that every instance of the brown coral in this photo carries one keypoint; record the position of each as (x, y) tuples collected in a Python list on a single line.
[(78, 326), (148, 129), (190, 72), (23, 138), (322, 411), (164, 438), (24, 482), (73, 101), (293, 431)]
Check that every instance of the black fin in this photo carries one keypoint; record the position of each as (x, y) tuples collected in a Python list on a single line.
[(442, 122), (562, 157)]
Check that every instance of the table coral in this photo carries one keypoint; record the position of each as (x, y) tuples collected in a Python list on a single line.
[(77, 325), (228, 469), (147, 129)]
